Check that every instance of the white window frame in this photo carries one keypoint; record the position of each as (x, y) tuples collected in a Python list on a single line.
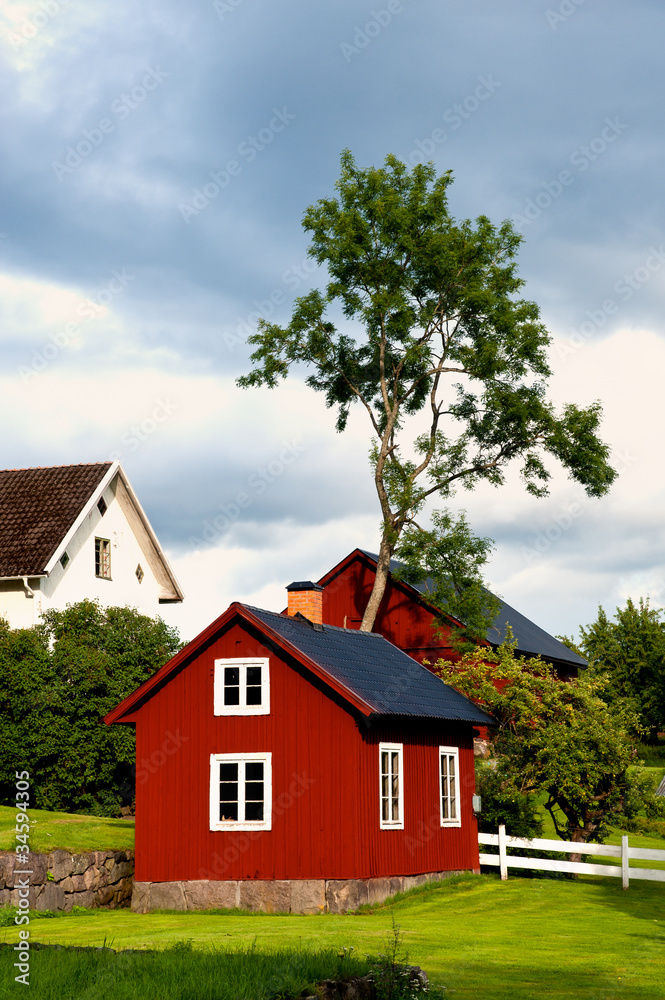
[(240, 758), (392, 824), (242, 709), (446, 821), (103, 558)]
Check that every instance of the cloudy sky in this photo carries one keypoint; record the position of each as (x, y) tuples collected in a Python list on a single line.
[(156, 162)]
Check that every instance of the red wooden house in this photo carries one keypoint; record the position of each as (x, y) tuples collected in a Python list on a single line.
[(286, 764), (406, 617)]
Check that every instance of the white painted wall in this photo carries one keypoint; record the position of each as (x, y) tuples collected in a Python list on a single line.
[(77, 580), (19, 610)]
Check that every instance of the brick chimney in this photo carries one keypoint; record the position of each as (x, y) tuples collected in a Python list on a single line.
[(307, 598)]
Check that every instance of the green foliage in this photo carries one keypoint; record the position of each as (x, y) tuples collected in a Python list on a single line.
[(555, 736), (504, 804), (630, 650), (448, 560), (640, 798), (432, 321), (57, 681)]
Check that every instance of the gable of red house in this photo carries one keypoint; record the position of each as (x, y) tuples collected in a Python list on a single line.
[(407, 619)]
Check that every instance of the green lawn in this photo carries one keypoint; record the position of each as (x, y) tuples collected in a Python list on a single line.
[(72, 832), (486, 940)]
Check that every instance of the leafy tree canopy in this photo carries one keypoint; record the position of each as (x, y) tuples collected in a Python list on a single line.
[(57, 681), (630, 650), (446, 560), (555, 736), (432, 325)]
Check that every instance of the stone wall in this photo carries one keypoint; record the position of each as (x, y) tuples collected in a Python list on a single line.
[(292, 896), (60, 880)]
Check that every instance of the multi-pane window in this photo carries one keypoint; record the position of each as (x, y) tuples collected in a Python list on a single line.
[(240, 791), (449, 786), (103, 558), (242, 687), (391, 786)]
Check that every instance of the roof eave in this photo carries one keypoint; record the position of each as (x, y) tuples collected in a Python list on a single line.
[(23, 576), (128, 704), (177, 594)]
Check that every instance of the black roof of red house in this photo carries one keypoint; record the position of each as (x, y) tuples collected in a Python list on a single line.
[(388, 680), (531, 638), (371, 673)]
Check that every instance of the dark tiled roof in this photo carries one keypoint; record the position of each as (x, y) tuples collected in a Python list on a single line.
[(530, 637), (391, 682), (37, 509)]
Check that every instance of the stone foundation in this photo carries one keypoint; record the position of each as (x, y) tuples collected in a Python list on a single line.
[(292, 896), (60, 880)]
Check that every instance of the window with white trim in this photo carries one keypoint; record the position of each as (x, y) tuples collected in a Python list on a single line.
[(391, 786), (449, 786), (241, 791), (242, 687)]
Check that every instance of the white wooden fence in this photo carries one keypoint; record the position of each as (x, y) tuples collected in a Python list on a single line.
[(504, 861)]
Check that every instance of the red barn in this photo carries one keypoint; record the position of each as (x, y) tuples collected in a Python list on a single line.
[(406, 618), (286, 764)]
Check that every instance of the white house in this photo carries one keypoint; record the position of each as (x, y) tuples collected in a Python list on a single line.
[(71, 532)]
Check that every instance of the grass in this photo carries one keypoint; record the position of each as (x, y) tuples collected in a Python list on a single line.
[(69, 831), (484, 939), (178, 973)]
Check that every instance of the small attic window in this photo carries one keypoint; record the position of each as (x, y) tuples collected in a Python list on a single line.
[(103, 558), (64, 559), (101, 506), (139, 573)]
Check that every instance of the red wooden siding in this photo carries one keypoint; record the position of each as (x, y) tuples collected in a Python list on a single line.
[(325, 781), (401, 618)]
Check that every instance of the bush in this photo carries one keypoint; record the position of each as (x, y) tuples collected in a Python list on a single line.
[(501, 803), (57, 681)]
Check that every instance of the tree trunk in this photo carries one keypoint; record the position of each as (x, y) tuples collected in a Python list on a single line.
[(577, 838), (379, 588)]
